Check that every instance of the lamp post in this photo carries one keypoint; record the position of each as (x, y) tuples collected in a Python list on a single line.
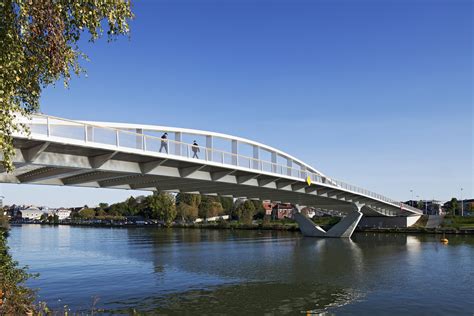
[(411, 198), (462, 205)]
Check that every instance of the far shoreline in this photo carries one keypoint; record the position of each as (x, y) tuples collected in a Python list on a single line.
[(289, 227)]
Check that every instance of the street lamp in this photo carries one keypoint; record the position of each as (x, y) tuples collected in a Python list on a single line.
[(411, 198), (462, 205)]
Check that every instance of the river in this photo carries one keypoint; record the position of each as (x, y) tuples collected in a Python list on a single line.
[(176, 271)]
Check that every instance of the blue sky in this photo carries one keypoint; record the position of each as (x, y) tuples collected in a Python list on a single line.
[(375, 93)]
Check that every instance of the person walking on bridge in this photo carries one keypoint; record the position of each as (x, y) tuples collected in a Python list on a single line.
[(195, 149), (164, 142)]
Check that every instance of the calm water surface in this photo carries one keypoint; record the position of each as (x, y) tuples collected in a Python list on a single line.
[(177, 271)]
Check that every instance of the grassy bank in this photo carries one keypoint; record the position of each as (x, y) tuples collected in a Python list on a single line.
[(279, 225), (458, 222), (257, 225)]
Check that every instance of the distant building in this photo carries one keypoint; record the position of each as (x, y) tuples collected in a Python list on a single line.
[(429, 207), (433, 207), (468, 205), (282, 210), (309, 212), (267, 205), (14, 211), (31, 213), (412, 203), (62, 213)]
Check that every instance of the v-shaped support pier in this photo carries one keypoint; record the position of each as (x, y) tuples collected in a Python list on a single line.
[(343, 229)]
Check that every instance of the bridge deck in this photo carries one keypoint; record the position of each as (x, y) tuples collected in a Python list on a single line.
[(64, 152)]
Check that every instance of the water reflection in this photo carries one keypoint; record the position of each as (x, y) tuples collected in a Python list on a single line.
[(295, 273), (233, 272)]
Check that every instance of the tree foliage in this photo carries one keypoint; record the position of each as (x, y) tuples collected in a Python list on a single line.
[(39, 46), (4, 225), (190, 199), (210, 207), (162, 206), (187, 206), (227, 204), (87, 213), (259, 209), (420, 204), (16, 297), (187, 212), (244, 211), (453, 206)]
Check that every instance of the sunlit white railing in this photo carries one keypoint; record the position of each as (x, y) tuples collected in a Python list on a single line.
[(89, 133)]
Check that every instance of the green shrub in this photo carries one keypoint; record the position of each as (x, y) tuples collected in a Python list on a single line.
[(17, 299)]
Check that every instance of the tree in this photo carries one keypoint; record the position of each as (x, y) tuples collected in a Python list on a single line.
[(101, 213), (132, 207), (75, 215), (453, 206), (210, 207), (118, 209), (13, 278), (420, 205), (227, 204), (259, 209), (53, 219), (87, 213), (190, 199), (162, 206), (103, 206), (44, 217), (4, 225), (216, 209), (244, 211), (205, 208), (248, 212), (187, 212), (187, 205), (40, 46)]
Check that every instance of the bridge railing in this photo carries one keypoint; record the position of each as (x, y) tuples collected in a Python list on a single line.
[(88, 133)]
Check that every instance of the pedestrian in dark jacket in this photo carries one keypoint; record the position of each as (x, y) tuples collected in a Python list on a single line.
[(195, 149), (164, 142)]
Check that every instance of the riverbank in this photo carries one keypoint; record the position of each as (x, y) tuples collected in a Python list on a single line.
[(276, 226), (419, 230)]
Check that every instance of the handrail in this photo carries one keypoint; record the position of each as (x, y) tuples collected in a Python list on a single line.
[(253, 163)]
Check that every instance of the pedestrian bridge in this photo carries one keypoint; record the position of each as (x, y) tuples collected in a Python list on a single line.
[(132, 156)]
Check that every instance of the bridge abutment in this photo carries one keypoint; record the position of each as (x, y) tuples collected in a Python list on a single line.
[(388, 222)]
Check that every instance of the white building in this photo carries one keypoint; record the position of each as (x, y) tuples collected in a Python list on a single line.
[(31, 213), (62, 213)]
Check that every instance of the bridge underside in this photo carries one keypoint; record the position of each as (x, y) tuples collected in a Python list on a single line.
[(59, 164), (39, 162)]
